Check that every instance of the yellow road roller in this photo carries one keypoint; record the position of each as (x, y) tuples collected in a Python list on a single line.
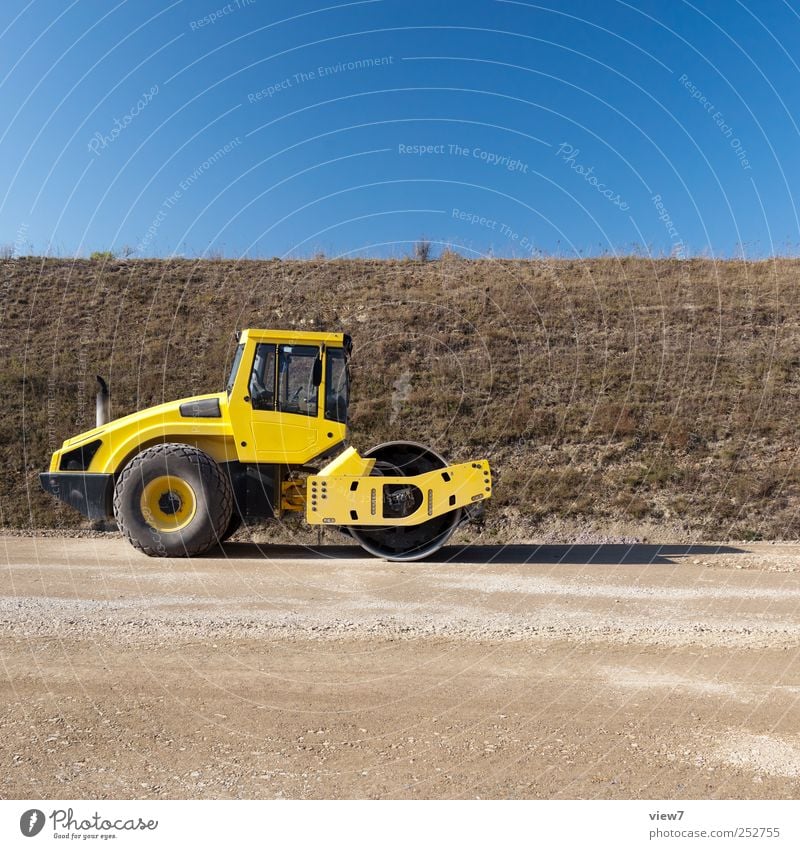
[(182, 477)]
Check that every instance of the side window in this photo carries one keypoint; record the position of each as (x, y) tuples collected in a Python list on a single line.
[(237, 359), (296, 390), (262, 378), (336, 388)]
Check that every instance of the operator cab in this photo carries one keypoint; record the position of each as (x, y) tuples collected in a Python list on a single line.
[(286, 378)]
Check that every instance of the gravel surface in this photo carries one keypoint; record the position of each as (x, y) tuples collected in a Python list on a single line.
[(609, 671)]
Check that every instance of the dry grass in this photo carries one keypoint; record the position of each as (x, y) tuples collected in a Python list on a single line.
[(602, 390)]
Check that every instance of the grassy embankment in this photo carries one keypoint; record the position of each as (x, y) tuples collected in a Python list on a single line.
[(613, 396)]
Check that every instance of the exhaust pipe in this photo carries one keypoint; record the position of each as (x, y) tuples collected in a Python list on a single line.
[(103, 402)]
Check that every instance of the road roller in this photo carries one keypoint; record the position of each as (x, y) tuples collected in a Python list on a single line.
[(183, 477)]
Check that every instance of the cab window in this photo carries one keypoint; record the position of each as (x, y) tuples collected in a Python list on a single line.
[(296, 390), (262, 378), (237, 358), (336, 386)]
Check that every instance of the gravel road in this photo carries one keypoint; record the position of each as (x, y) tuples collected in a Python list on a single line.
[(610, 671)]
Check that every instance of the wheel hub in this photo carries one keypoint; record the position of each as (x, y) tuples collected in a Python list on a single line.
[(168, 503)]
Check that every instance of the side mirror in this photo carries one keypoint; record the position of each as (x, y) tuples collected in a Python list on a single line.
[(316, 374)]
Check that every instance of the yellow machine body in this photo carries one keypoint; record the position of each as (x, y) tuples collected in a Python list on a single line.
[(344, 493), (239, 431), (266, 430)]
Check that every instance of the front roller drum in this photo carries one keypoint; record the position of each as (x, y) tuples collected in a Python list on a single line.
[(173, 500), (406, 542)]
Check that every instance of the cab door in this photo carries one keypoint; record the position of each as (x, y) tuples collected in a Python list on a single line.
[(284, 424)]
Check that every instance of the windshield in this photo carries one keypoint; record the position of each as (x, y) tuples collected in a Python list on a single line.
[(296, 390), (336, 385), (237, 358)]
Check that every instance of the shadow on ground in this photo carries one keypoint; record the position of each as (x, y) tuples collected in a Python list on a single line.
[(604, 555)]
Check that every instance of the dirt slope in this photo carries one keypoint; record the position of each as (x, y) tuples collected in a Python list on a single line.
[(615, 397)]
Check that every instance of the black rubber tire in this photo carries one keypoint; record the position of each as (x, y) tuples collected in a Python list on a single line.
[(212, 490), (412, 542), (233, 526)]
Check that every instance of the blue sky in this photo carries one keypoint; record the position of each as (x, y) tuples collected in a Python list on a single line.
[(506, 128)]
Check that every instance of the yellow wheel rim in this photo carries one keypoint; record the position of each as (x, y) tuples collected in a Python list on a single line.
[(168, 503)]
